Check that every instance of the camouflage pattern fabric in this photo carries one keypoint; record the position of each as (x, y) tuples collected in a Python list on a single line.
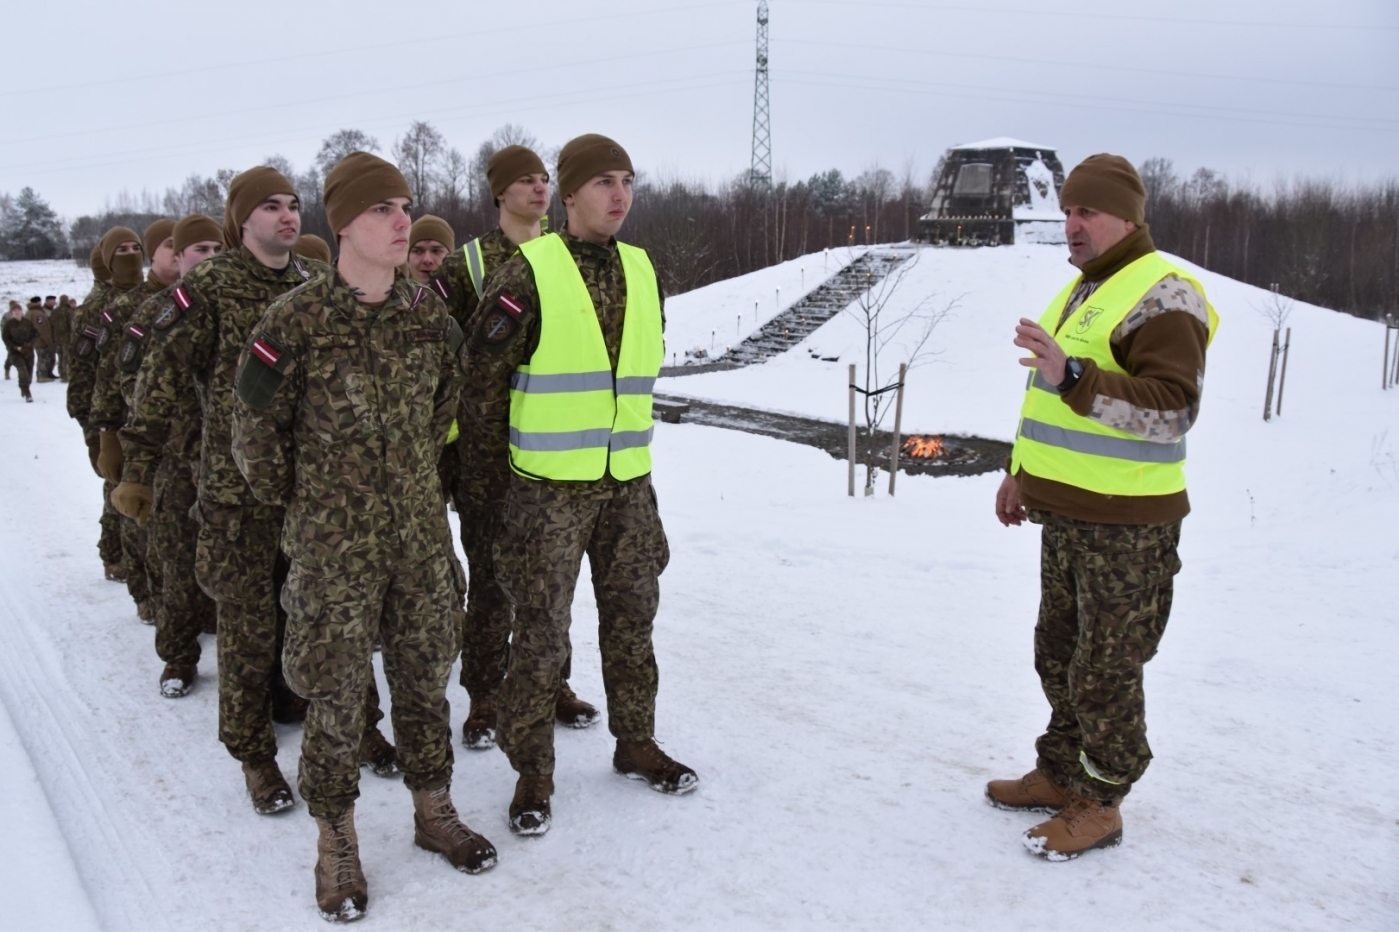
[(334, 621), (548, 526), (454, 274), (96, 334), (62, 317), (341, 412), (133, 557), (184, 607), (109, 528), (20, 336), (107, 410), (1105, 598)]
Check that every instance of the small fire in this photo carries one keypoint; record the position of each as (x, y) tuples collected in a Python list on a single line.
[(926, 448)]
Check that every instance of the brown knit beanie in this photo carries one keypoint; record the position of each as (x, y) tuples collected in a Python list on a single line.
[(112, 239), (312, 246), (157, 233), (197, 228), (435, 228), (99, 268), (585, 156), (356, 183), (511, 164), (1107, 183), (247, 190)]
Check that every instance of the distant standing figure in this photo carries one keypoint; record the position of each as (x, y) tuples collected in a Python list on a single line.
[(19, 336), (1099, 462), (40, 315)]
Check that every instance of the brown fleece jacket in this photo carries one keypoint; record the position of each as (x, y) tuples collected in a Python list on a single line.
[(1159, 397)]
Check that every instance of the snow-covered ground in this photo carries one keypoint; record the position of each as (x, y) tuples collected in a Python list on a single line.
[(845, 674)]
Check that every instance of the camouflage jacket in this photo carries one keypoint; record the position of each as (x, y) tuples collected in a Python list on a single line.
[(62, 317), (93, 332), (107, 410), (193, 349), (498, 340), (341, 412), (453, 278)]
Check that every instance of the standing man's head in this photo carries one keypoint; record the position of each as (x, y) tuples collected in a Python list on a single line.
[(159, 242), (121, 252), (1104, 201), (311, 246), (49, 301), (196, 238), (264, 214), (519, 183), (595, 182), (366, 201), (16, 311), (430, 240)]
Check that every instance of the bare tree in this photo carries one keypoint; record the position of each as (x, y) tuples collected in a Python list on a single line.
[(507, 135), (417, 153), (452, 177), (891, 336), (340, 144)]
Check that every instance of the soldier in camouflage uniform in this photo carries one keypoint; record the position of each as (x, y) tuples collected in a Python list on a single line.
[(183, 609), (345, 396), (576, 487), (92, 335), (193, 350), (1099, 464), (519, 184), (107, 410), (19, 337), (62, 316), (41, 316)]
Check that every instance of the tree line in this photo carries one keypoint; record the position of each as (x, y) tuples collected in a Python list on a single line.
[(1319, 241)]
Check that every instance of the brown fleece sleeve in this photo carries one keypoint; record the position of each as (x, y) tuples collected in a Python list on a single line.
[(1166, 361)]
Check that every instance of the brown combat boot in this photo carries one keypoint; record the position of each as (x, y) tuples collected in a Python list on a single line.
[(377, 754), (529, 810), (478, 731), (342, 893), (267, 787), (1083, 824), (114, 572), (176, 680), (572, 711), (145, 612), (1034, 792), (437, 827), (644, 760)]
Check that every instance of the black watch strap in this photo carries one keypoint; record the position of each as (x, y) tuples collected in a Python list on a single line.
[(1073, 371)]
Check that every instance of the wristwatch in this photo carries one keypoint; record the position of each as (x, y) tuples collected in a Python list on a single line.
[(1073, 371)]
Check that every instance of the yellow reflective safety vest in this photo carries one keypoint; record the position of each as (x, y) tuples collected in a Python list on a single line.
[(1055, 443), (571, 417), (474, 266)]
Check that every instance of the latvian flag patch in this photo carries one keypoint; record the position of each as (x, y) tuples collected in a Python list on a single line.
[(441, 287), (268, 352), (135, 331), (182, 298), (510, 304)]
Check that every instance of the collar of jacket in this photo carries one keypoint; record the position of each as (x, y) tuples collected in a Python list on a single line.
[(1136, 244)]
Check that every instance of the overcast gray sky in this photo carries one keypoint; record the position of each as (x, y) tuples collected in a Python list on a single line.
[(148, 93)]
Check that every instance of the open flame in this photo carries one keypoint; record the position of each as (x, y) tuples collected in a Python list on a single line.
[(926, 448)]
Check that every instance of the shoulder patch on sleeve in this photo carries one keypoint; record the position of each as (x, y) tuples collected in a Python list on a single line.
[(500, 321), (132, 345), (263, 372)]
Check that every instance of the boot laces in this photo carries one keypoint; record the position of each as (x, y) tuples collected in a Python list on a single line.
[(443, 815), (343, 853)]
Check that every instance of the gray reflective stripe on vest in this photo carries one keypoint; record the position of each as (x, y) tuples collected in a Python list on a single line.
[(473, 265), (537, 384), (561, 441), (1039, 381), (636, 384), (1122, 448), (631, 439)]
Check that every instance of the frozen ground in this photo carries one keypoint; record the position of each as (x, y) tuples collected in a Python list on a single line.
[(845, 675)]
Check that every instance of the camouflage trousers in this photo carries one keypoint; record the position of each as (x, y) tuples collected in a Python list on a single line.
[(109, 528), (334, 618), (24, 367), (44, 362), (1105, 597), (547, 529), (133, 550), (485, 626), (184, 608), (238, 562)]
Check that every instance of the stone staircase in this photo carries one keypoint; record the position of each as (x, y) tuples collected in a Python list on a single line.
[(798, 322)]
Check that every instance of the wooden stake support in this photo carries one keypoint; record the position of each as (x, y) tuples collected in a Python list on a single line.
[(851, 490), (898, 427)]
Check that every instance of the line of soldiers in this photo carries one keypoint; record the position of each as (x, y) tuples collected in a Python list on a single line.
[(36, 341), (280, 436)]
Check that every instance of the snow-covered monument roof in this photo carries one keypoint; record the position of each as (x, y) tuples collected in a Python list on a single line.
[(994, 192)]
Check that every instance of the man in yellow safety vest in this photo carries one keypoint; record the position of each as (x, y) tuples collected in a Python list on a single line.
[(569, 397), (1117, 371)]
